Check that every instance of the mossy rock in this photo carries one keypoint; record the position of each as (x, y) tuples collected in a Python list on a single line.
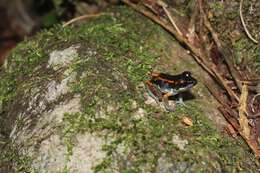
[(73, 100)]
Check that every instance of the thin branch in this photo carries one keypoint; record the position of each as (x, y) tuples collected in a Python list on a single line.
[(254, 116), (252, 102), (172, 21), (83, 17), (244, 24), (243, 121), (251, 80)]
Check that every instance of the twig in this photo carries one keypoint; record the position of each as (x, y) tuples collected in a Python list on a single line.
[(252, 102), (254, 116), (172, 21), (249, 83), (251, 80), (244, 24), (243, 121), (82, 17)]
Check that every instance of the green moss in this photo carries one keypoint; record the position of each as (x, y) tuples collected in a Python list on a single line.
[(20, 69), (217, 6), (119, 51), (23, 162), (69, 129)]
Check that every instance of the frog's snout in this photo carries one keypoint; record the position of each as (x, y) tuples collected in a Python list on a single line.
[(191, 83), (194, 82)]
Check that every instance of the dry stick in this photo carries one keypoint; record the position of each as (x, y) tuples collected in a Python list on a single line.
[(150, 7), (82, 17), (251, 80), (244, 24), (252, 102), (243, 121), (172, 21), (254, 116)]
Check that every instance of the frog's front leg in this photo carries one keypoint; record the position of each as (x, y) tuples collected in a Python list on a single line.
[(180, 100), (165, 100), (153, 91)]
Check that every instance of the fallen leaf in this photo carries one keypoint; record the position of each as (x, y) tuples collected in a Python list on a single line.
[(187, 121)]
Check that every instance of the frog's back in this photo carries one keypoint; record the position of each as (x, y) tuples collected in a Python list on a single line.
[(169, 77)]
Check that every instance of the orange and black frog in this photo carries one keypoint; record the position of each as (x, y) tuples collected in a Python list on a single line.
[(161, 86)]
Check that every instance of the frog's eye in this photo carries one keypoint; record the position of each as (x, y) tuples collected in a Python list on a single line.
[(187, 73)]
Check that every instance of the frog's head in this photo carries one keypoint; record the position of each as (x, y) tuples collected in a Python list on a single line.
[(186, 81)]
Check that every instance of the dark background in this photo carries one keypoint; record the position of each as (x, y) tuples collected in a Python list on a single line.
[(22, 19)]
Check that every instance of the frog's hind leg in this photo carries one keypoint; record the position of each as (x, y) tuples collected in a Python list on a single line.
[(165, 100), (153, 91)]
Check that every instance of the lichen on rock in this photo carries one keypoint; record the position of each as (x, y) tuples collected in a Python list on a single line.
[(62, 58)]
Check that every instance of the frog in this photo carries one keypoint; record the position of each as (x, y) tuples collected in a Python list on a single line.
[(162, 86)]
